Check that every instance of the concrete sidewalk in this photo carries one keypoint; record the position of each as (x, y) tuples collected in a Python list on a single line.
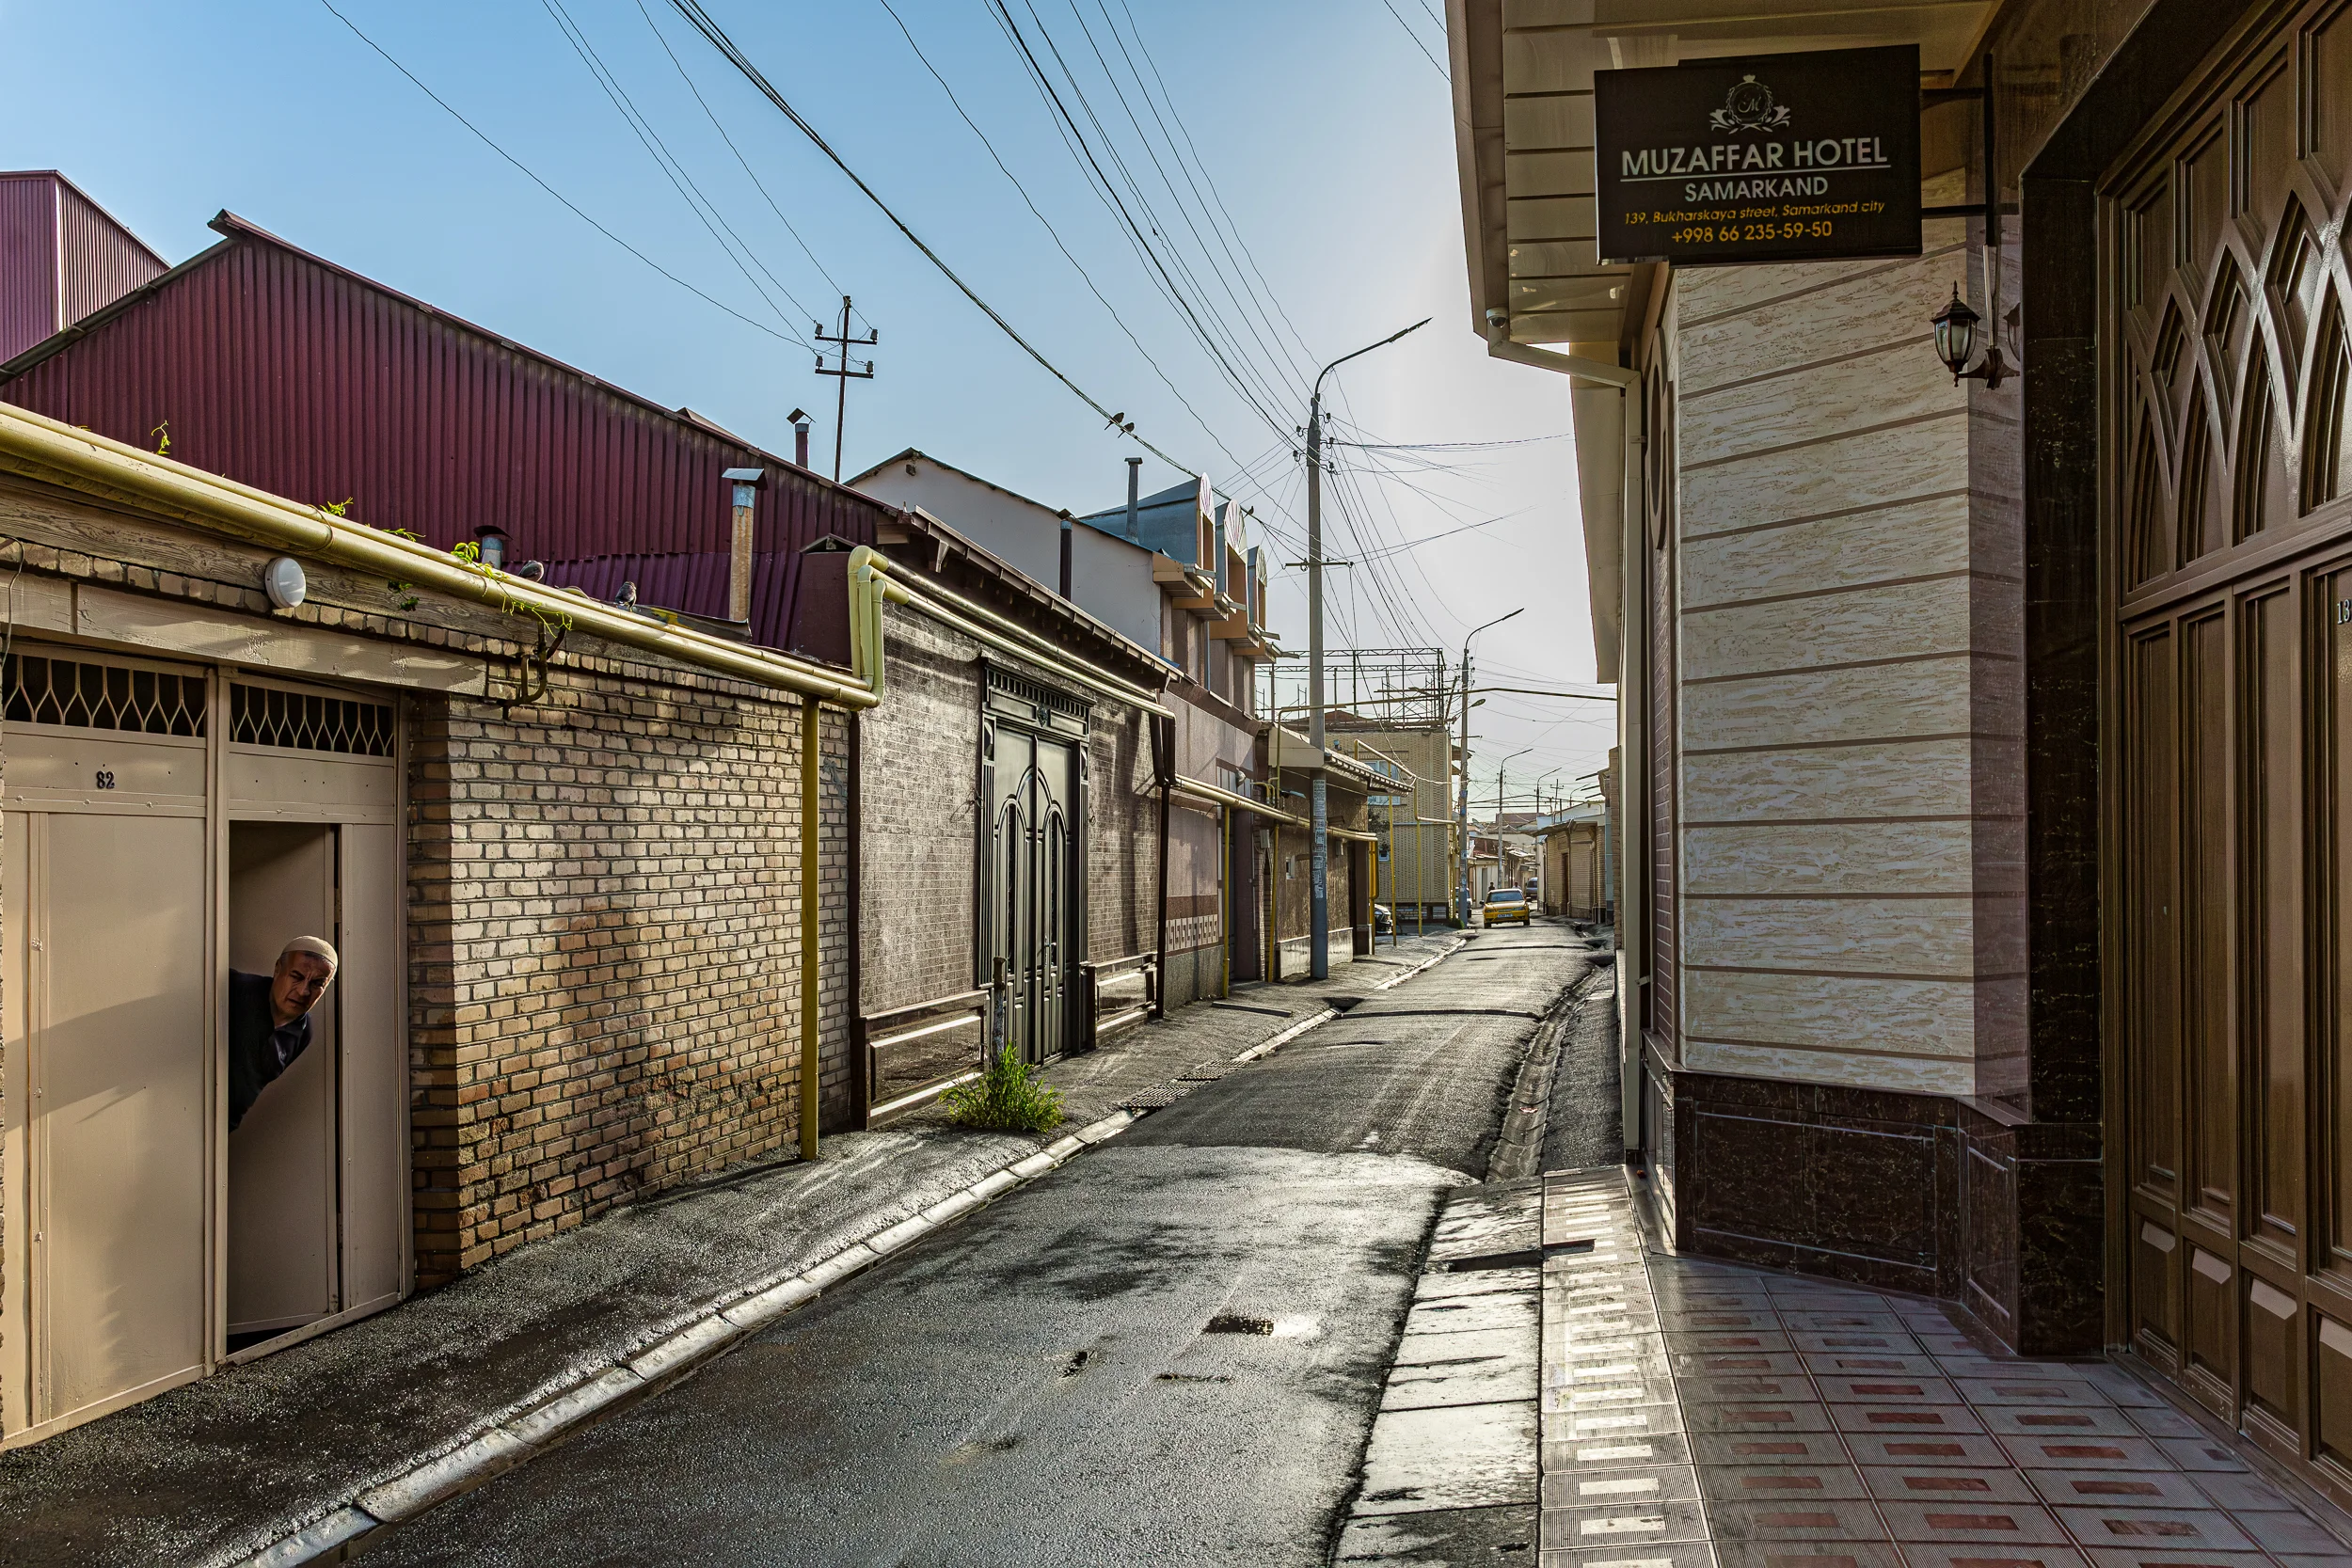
[(299, 1456)]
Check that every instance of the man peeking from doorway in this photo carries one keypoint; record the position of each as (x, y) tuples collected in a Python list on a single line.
[(269, 1019)]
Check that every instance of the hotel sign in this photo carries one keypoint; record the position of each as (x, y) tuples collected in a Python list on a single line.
[(1768, 158)]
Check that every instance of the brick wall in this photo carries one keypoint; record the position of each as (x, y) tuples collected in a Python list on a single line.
[(1294, 897), (918, 766), (918, 762), (603, 914), (1122, 835), (604, 941)]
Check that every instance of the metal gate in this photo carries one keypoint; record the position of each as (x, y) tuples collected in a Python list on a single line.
[(1032, 882), (2225, 388)]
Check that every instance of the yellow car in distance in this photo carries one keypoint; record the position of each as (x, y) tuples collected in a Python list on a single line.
[(1505, 904)]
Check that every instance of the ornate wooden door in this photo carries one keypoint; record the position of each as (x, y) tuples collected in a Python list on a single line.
[(2226, 370)]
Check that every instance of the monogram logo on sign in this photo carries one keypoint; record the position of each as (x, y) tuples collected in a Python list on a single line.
[(1749, 106)]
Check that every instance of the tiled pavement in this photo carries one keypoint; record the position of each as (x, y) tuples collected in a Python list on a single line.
[(1699, 1414)]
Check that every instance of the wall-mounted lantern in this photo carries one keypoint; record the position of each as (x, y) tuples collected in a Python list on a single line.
[(1956, 344), (284, 582)]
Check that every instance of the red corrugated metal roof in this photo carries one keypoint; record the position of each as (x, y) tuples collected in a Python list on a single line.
[(287, 372), (694, 583), (62, 256)]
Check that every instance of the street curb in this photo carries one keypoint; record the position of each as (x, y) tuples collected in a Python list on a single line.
[(360, 1521), (351, 1527)]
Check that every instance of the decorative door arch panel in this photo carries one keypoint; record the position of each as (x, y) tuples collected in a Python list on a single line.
[(2224, 387)]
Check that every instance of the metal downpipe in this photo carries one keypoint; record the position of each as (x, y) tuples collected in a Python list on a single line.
[(811, 836)]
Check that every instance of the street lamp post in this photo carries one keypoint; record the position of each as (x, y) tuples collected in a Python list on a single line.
[(1318, 845), (1461, 907), (1539, 788), (1502, 773)]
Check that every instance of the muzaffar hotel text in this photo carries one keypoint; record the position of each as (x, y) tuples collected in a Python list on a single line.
[(1848, 153)]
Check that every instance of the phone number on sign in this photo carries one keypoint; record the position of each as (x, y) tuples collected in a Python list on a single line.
[(1732, 233)]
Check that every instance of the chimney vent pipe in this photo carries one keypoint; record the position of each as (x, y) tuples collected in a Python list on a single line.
[(799, 436), (746, 482), (1134, 477)]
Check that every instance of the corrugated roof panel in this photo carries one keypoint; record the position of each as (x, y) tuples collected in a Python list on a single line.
[(100, 259), (28, 261), (288, 372), (696, 584)]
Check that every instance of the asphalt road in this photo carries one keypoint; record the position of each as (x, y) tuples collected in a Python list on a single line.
[(1055, 1381)]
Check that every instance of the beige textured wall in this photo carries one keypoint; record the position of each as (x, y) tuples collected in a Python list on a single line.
[(1847, 642)]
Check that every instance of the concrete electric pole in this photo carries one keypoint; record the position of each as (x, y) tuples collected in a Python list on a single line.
[(1319, 843), (844, 373)]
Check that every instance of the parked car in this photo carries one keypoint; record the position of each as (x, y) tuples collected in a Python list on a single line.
[(1383, 920), (1505, 903)]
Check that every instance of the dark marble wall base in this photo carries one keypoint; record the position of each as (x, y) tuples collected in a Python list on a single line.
[(1963, 1200)]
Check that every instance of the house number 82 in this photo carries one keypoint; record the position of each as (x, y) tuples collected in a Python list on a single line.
[(105, 778)]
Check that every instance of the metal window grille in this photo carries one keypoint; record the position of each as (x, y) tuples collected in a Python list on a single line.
[(309, 721), (42, 690)]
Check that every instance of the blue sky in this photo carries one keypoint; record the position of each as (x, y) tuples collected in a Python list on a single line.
[(1308, 142)]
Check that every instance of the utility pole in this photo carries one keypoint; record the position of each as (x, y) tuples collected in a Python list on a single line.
[(1461, 907), (843, 343), (1461, 822), (1319, 841)]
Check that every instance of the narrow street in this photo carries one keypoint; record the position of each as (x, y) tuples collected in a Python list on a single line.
[(1169, 1351)]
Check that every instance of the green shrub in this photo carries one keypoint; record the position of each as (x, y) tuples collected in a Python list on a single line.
[(1005, 1099)]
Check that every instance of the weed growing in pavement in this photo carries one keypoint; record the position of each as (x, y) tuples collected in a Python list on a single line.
[(1005, 1099)]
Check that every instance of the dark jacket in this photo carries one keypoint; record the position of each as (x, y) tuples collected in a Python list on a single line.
[(260, 1048)]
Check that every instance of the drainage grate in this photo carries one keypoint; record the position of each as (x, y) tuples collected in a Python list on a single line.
[(1156, 1099), (1207, 1072), (1235, 1323)]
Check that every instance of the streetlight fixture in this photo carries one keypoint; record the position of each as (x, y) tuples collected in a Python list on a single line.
[(1461, 828), (1319, 843)]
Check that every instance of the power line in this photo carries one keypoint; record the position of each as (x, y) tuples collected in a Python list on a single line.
[(1433, 538), (1053, 233), (1108, 192), (703, 209), (1175, 114), (757, 185), (1159, 227), (1447, 446), (717, 38), (1417, 44), (1170, 185), (568, 204), (1257, 300)]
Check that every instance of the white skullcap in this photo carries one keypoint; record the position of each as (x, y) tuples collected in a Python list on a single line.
[(318, 947)]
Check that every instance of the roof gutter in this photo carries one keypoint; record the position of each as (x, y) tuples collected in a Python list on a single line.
[(43, 449), (1216, 795), (871, 585)]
